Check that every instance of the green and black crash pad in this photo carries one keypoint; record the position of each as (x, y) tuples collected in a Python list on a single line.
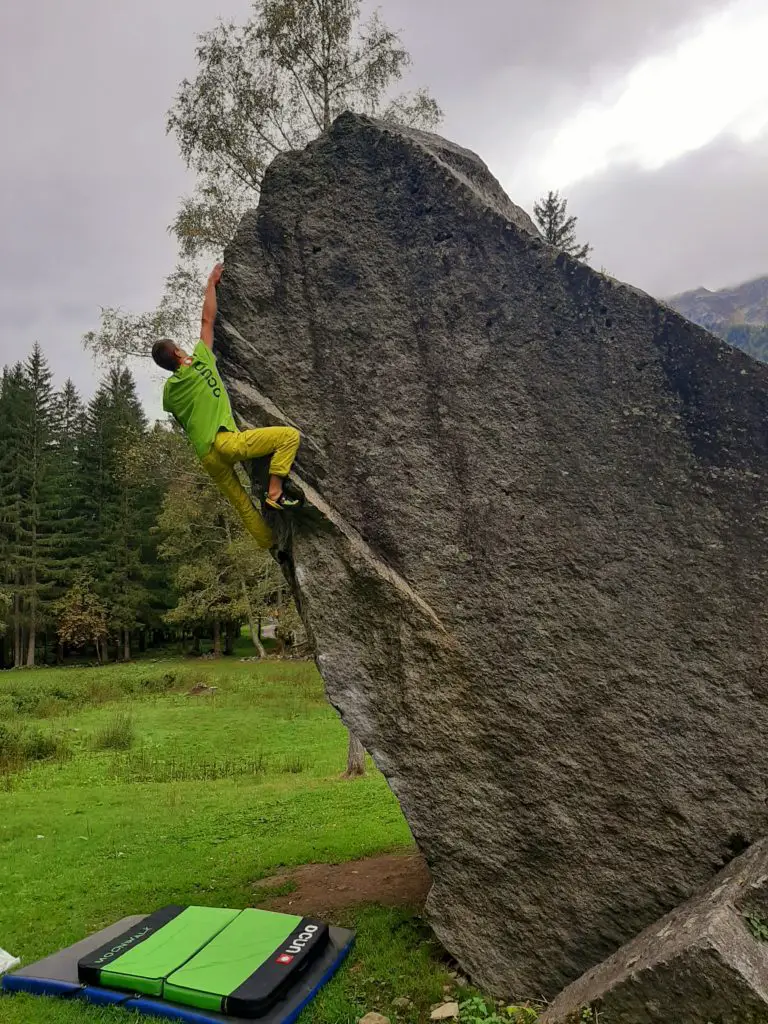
[(238, 963), (274, 996)]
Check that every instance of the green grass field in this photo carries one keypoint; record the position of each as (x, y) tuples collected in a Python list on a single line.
[(119, 794)]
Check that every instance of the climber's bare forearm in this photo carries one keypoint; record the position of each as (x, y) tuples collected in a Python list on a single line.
[(210, 305)]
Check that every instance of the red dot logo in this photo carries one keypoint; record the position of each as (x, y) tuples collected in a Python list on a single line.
[(285, 958)]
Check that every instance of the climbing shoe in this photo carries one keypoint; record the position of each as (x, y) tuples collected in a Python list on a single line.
[(284, 503)]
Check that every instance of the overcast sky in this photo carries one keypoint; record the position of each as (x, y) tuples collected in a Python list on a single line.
[(650, 115)]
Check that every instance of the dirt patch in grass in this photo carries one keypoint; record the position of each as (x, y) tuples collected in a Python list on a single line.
[(396, 880)]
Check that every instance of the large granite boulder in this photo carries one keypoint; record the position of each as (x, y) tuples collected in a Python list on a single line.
[(535, 571)]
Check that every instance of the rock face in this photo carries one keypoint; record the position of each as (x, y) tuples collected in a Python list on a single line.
[(536, 567), (701, 963)]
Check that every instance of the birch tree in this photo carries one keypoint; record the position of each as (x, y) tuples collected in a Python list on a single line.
[(269, 85)]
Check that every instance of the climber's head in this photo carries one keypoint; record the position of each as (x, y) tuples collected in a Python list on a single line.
[(167, 354)]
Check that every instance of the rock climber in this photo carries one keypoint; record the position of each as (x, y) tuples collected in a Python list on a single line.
[(198, 401)]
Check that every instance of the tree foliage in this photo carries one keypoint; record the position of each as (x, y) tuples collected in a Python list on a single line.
[(551, 213), (66, 505), (14, 417), (81, 616), (30, 533), (272, 85), (269, 85), (220, 575), (110, 530)]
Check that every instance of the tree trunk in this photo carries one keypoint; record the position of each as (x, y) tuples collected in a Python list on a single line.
[(252, 625), (31, 643), (126, 645), (216, 638), (60, 653), (355, 759), (229, 638), (22, 644), (16, 631), (32, 633)]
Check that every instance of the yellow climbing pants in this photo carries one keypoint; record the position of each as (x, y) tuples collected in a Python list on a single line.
[(281, 443)]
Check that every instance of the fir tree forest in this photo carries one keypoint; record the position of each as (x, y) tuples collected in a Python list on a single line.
[(112, 540)]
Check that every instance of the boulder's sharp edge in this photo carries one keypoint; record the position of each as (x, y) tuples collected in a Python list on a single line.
[(572, 479)]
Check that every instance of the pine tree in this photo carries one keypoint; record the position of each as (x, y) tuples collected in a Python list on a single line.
[(70, 502), (551, 213), (38, 539), (15, 416), (160, 457), (66, 547), (6, 510), (113, 518), (35, 478)]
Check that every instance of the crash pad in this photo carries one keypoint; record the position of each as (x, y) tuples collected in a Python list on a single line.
[(58, 975)]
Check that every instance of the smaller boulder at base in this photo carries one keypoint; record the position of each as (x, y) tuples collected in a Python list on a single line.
[(706, 961)]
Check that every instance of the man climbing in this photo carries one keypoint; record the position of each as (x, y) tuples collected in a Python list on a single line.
[(198, 401)]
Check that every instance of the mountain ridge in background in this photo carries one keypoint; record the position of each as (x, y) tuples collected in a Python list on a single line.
[(738, 314)]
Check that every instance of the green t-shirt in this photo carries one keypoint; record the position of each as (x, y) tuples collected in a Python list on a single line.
[(196, 397)]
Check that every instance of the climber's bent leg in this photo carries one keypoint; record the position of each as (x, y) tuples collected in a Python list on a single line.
[(281, 443), (225, 478)]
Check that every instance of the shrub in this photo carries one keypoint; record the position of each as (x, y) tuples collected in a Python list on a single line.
[(103, 691), (29, 699), (158, 683), (7, 706), (51, 707), (117, 734), (20, 746), (39, 746), (10, 746), (293, 765)]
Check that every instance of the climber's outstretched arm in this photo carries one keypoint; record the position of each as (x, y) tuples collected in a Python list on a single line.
[(210, 305)]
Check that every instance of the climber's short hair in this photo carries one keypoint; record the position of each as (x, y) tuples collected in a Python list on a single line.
[(164, 354)]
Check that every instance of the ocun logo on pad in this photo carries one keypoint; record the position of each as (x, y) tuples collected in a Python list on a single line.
[(116, 950), (285, 958), (301, 940)]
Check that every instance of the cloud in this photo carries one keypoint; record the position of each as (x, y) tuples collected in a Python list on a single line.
[(89, 180), (673, 102), (700, 220), (507, 71)]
